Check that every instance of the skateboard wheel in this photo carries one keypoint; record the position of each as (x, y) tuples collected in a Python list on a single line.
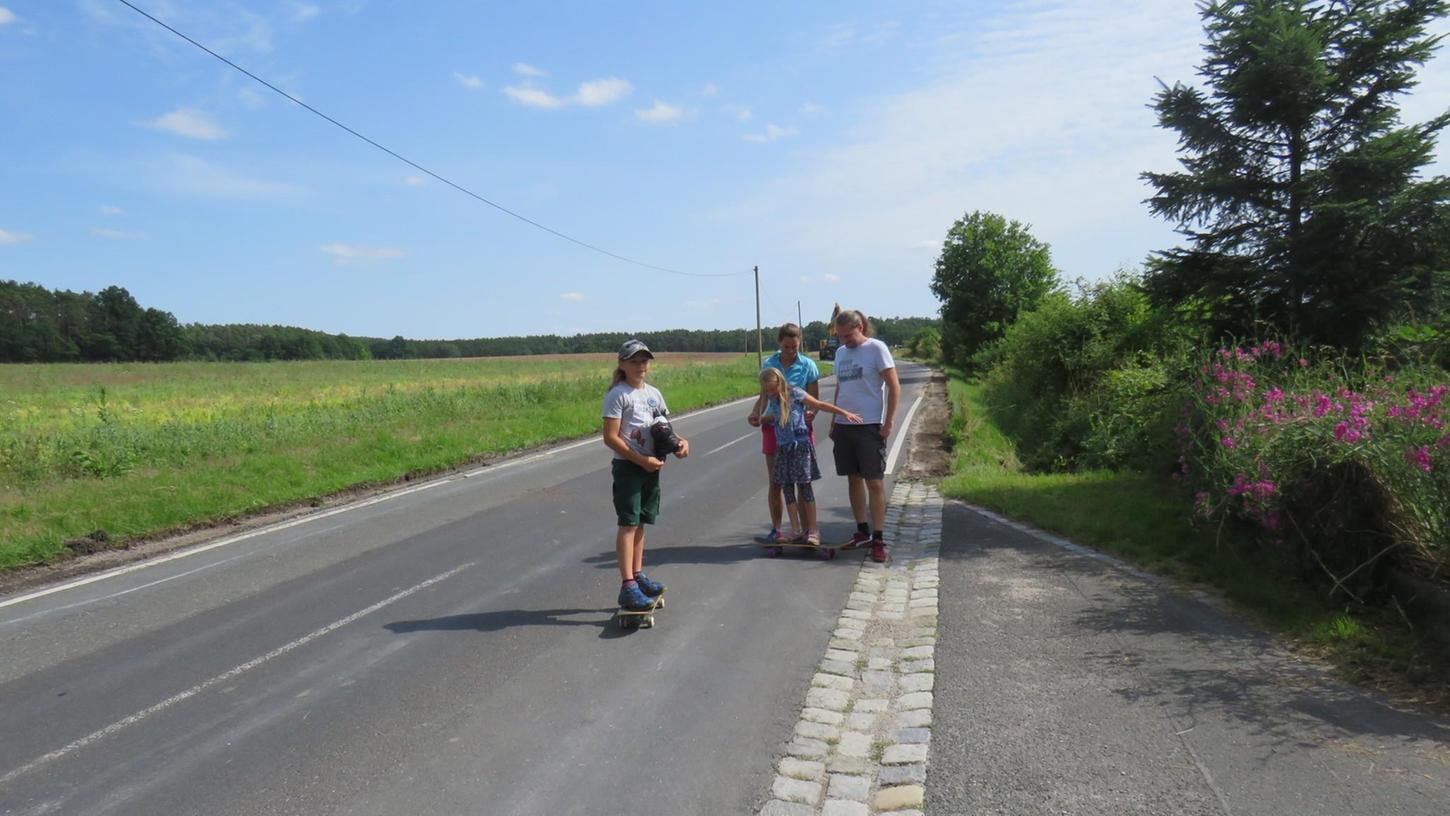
[(648, 623), (661, 603), (776, 552), (830, 553)]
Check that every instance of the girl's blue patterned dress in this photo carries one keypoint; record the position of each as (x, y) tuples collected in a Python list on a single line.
[(795, 456)]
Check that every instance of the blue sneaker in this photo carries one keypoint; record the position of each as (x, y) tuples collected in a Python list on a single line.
[(632, 599), (653, 589), (773, 537)]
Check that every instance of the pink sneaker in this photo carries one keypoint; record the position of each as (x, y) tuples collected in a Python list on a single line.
[(857, 539), (813, 538)]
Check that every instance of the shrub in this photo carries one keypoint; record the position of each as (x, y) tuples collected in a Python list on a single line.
[(1346, 460), (1089, 381)]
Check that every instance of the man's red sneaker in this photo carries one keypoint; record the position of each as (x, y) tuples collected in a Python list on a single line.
[(878, 551), (857, 539)]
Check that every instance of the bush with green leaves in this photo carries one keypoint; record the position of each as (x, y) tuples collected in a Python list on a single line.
[(1089, 381), (1348, 460)]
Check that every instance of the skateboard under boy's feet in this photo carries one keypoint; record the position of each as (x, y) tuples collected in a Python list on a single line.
[(776, 550), (640, 618)]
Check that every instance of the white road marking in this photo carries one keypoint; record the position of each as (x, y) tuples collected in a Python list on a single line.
[(728, 444), (201, 548), (222, 678), (902, 434)]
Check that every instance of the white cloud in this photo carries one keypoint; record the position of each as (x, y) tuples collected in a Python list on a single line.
[(116, 235), (346, 253), (6, 15), (8, 237), (810, 108), (572, 297), (226, 28), (739, 112), (469, 81), (532, 97), (524, 69), (1040, 114), (302, 12), (838, 36), (593, 94), (189, 175), (252, 98), (843, 35), (771, 133), (709, 89), (415, 181), (111, 209), (188, 122), (661, 112), (599, 92), (831, 278)]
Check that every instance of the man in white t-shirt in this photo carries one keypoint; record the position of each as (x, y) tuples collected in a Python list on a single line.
[(866, 384)]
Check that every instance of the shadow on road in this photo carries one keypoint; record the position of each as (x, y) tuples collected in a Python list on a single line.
[(504, 619), (1188, 656), (601, 619)]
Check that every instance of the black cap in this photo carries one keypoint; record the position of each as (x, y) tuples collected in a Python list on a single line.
[(632, 347)]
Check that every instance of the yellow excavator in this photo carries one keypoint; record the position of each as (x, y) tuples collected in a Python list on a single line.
[(830, 342)]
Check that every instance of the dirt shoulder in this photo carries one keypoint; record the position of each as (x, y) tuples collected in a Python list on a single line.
[(929, 455)]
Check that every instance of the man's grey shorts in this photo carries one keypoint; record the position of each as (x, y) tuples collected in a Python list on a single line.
[(859, 450)]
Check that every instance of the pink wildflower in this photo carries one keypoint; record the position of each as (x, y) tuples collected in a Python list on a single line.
[(1419, 457)]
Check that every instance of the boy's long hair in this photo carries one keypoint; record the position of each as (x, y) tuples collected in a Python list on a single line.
[(782, 391)]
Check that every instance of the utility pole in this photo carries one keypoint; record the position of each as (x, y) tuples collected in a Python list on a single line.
[(759, 346), (798, 320)]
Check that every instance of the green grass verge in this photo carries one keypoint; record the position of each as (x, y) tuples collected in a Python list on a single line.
[(1148, 521), (162, 452)]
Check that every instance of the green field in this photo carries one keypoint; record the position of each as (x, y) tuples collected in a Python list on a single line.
[(122, 451)]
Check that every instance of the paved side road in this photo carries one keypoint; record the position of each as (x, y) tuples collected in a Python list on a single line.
[(1070, 684)]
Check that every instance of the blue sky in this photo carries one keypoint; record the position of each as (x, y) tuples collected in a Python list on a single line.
[(831, 143)]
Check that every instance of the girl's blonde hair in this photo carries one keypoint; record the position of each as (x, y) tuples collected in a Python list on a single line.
[(782, 391)]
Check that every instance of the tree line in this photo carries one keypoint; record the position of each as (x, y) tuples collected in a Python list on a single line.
[(38, 325)]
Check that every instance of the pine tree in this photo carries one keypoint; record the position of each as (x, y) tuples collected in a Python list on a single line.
[(1301, 192)]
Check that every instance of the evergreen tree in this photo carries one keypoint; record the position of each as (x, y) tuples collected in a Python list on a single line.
[(1301, 194)]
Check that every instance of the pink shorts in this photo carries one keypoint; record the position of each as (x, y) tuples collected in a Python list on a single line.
[(767, 438)]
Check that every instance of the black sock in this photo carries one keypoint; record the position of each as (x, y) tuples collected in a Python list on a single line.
[(863, 527), (876, 535)]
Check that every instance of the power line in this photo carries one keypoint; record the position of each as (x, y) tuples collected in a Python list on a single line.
[(404, 159)]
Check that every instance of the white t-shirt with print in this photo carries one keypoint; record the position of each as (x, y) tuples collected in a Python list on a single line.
[(859, 386), (635, 408)]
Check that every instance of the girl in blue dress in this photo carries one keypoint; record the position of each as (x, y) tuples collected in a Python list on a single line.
[(795, 454)]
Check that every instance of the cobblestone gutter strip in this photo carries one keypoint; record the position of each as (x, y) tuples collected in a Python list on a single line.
[(864, 737)]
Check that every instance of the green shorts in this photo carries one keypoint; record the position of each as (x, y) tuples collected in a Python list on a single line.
[(636, 494)]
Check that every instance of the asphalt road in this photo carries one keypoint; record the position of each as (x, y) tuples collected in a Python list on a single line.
[(1073, 685), (444, 649)]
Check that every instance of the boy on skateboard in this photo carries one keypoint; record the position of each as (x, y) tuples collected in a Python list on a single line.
[(630, 408)]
